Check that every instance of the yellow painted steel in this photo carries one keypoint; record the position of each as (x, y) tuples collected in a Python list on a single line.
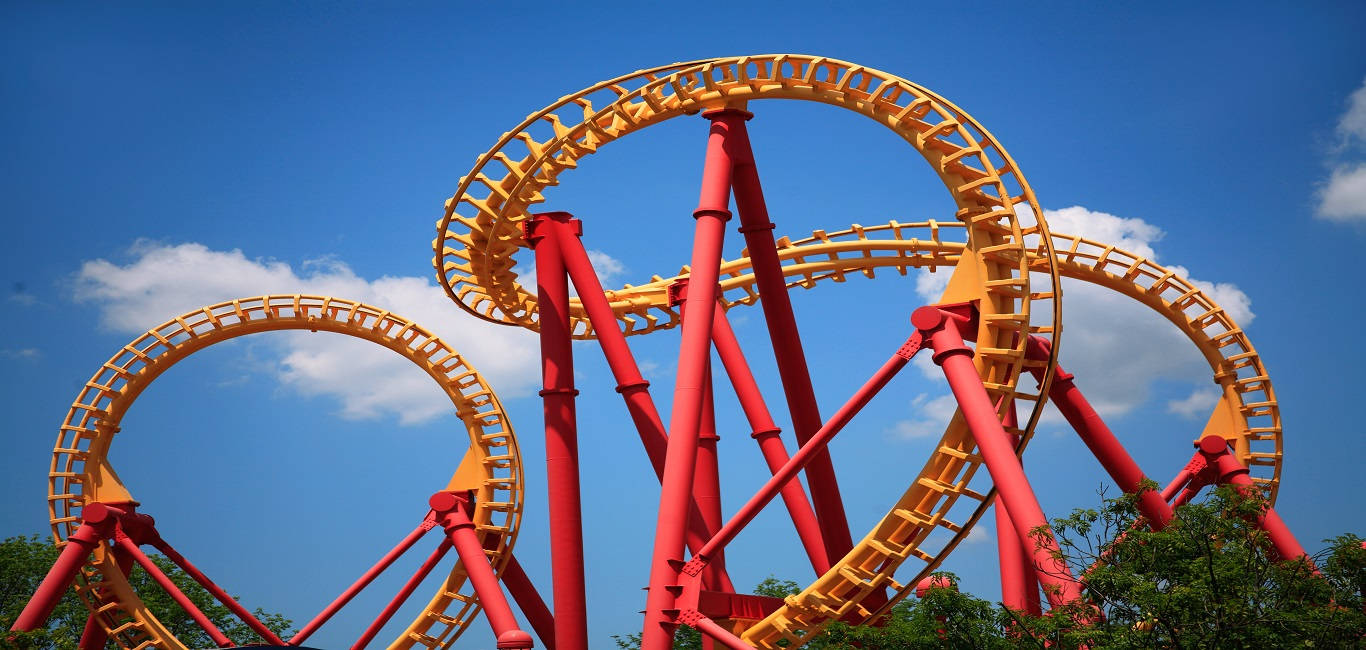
[(479, 238), (1246, 414), (81, 474)]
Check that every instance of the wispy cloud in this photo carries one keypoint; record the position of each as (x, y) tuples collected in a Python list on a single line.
[(23, 354), (163, 281), (1118, 348), (1342, 197)]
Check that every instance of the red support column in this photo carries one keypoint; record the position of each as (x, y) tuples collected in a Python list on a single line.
[(403, 594), (1019, 581), (1098, 438), (1215, 450), (799, 460), (787, 346), (955, 358), (632, 386), (94, 636), (707, 487), (228, 601), (171, 590), (770, 444), (369, 576), (530, 602), (694, 352), (561, 436), (97, 523), (460, 530)]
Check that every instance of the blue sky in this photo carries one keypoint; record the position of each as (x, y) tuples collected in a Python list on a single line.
[(159, 158)]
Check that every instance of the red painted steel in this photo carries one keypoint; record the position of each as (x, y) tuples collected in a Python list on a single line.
[(1019, 581), (365, 579), (452, 510), (561, 436), (1098, 438), (766, 433), (97, 523), (721, 634), (530, 602), (635, 391), (694, 351), (94, 636), (403, 594), (1229, 470), (630, 384), (808, 451), (171, 590), (228, 601), (955, 358), (787, 345), (707, 485)]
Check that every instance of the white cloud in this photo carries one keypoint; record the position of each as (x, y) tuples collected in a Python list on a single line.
[(1353, 122), (164, 281), (609, 269), (931, 416), (1118, 348), (26, 354), (1195, 406), (1344, 197), (979, 535)]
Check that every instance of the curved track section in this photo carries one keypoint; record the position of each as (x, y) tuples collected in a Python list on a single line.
[(1247, 414), (479, 236), (81, 472)]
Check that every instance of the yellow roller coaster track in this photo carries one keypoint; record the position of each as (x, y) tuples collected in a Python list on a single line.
[(479, 236), (81, 472), (1246, 414)]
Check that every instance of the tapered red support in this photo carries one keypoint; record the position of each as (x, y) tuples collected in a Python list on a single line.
[(220, 639), (453, 511), (97, 523), (561, 436), (766, 433), (680, 459), (530, 602), (787, 344), (1019, 581), (365, 579), (942, 330), (1102, 442), (1216, 451)]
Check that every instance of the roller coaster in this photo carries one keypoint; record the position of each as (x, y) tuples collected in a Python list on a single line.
[(995, 333)]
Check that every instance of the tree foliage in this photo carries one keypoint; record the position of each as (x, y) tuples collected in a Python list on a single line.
[(1210, 579), (24, 562)]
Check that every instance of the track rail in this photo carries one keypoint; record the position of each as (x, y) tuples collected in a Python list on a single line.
[(81, 473)]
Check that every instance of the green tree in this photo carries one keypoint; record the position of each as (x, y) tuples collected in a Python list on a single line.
[(1210, 579), (25, 560)]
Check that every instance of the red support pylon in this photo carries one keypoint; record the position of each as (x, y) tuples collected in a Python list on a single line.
[(787, 345), (97, 523), (942, 329), (530, 602), (453, 512), (561, 436), (1102, 442), (694, 351), (766, 433), (1019, 581)]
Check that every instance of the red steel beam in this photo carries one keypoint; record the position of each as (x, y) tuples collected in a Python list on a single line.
[(97, 523), (530, 602), (787, 346), (707, 485), (955, 358), (809, 450), (1216, 452), (461, 532), (365, 579), (634, 389), (693, 354), (766, 433), (1019, 581), (1098, 438), (94, 636), (228, 601), (403, 594), (561, 436), (124, 542)]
